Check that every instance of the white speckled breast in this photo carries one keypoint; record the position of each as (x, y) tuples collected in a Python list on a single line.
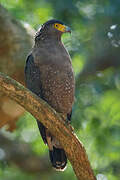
[(58, 88)]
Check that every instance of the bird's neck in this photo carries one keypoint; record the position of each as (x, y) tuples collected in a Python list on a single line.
[(46, 38)]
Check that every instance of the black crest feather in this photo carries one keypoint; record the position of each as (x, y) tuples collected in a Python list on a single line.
[(52, 21)]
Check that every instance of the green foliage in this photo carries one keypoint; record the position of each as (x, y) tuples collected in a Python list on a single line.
[(96, 113)]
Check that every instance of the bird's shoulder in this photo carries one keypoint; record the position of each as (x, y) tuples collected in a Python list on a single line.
[(30, 67), (29, 62), (32, 75)]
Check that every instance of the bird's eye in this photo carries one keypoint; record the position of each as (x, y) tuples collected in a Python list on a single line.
[(56, 26)]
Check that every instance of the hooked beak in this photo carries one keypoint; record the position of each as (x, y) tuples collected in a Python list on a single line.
[(67, 29)]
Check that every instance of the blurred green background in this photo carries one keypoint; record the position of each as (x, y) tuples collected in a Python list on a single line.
[(94, 46)]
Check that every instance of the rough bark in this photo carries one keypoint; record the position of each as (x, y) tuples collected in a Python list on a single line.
[(15, 43), (20, 154), (52, 120)]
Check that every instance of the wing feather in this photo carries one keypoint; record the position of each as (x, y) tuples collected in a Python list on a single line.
[(33, 82)]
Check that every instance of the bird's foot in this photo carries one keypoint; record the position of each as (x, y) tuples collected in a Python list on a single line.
[(67, 122)]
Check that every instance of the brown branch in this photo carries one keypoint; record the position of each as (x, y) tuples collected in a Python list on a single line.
[(50, 119), (20, 154)]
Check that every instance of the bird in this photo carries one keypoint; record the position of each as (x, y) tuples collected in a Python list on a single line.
[(49, 74)]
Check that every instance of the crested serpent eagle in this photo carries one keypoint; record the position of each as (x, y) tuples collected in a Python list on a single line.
[(49, 74)]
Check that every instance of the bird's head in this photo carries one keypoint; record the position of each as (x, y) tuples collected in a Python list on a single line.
[(52, 28)]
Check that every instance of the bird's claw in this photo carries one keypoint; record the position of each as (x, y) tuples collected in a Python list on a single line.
[(67, 122)]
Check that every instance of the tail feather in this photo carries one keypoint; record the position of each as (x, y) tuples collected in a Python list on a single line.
[(58, 158), (57, 155)]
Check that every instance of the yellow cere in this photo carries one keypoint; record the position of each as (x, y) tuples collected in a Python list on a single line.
[(60, 27)]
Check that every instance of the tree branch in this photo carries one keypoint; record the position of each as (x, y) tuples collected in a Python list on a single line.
[(51, 120)]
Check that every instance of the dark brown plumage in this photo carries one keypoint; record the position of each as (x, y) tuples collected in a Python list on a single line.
[(49, 74)]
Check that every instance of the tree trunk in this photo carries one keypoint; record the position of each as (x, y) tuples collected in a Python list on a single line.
[(15, 43)]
